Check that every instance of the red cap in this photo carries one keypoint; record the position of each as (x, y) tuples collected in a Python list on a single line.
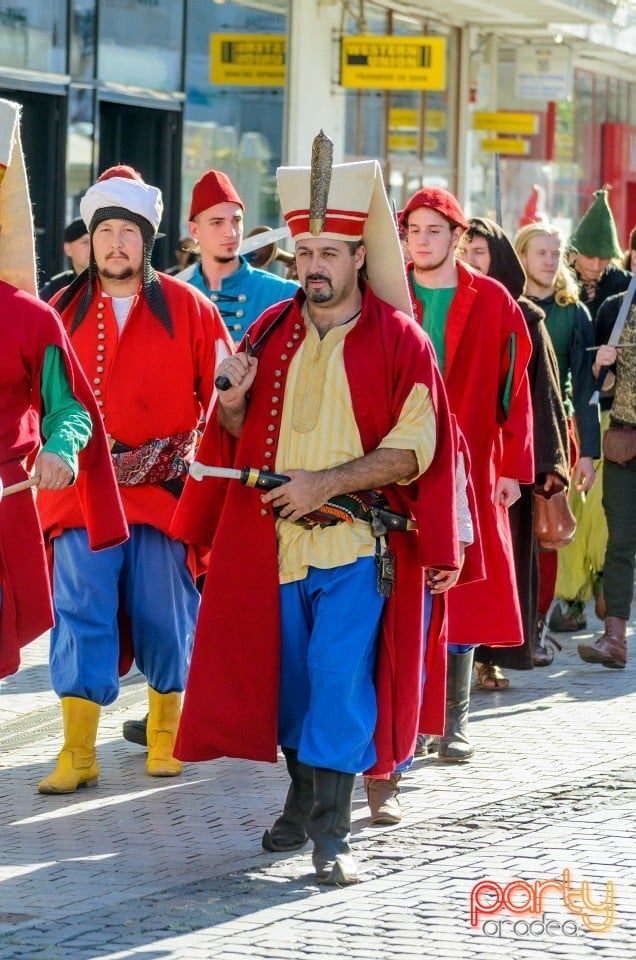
[(213, 187), (437, 199), (121, 170)]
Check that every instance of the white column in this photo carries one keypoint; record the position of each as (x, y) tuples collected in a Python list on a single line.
[(313, 98)]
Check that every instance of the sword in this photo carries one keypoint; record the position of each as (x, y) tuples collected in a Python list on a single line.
[(264, 239), (615, 336), (380, 518)]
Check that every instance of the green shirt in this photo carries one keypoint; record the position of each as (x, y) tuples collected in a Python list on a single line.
[(66, 426), (435, 304)]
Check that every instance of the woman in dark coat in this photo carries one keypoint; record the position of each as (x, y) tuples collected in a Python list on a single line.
[(486, 248)]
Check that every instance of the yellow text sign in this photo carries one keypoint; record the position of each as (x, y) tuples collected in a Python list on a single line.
[(393, 63), (503, 122), (247, 59), (506, 145)]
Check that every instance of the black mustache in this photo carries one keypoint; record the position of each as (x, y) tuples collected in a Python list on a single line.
[(317, 276)]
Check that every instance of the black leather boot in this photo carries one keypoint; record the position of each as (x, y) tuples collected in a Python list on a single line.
[(455, 747), (329, 827), (135, 731), (290, 830)]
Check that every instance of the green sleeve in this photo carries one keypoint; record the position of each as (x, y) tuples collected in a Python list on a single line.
[(66, 425), (507, 390)]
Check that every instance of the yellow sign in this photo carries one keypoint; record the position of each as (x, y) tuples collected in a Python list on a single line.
[(247, 59), (393, 63), (506, 145), (503, 122), (403, 119), (403, 141)]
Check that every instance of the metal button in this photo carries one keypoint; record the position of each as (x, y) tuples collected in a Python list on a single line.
[(264, 512), (239, 313), (101, 336), (100, 369), (100, 403), (283, 356), (265, 466), (297, 326), (241, 298), (277, 385), (237, 326), (273, 413), (101, 326), (98, 393), (271, 426), (100, 316), (100, 305), (269, 440), (275, 400), (289, 344), (269, 455), (97, 379), (295, 336), (278, 373)]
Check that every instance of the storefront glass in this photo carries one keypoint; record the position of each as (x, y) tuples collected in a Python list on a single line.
[(230, 125), (33, 35), (140, 43)]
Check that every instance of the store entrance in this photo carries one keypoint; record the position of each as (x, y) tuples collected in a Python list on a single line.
[(150, 141), (43, 130)]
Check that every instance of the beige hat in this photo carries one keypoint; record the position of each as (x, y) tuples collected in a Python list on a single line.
[(17, 245), (357, 209)]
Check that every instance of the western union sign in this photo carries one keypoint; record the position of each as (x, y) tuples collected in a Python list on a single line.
[(393, 63), (247, 59)]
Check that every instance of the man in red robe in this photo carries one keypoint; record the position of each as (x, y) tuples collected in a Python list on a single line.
[(149, 345), (48, 420), (483, 348), (302, 643)]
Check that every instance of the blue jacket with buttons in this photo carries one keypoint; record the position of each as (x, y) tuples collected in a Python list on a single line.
[(243, 296)]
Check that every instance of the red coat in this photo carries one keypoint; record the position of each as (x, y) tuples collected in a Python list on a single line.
[(487, 351), (150, 384), (231, 699), (27, 328)]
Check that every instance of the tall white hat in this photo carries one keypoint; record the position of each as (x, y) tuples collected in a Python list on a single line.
[(17, 245)]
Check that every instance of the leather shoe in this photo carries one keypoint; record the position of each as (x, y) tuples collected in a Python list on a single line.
[(610, 650), (569, 620), (382, 797)]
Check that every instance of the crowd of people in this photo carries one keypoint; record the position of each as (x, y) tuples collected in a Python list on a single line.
[(389, 421)]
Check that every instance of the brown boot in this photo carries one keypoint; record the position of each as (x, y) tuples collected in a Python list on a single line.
[(382, 797), (610, 650)]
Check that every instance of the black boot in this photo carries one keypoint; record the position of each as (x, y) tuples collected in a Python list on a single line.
[(329, 827), (290, 830), (135, 731), (455, 747)]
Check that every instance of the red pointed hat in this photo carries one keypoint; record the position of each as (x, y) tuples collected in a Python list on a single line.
[(437, 199), (213, 187)]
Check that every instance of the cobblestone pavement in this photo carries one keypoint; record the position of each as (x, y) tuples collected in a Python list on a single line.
[(173, 869)]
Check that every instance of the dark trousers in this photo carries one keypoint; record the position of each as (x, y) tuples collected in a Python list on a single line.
[(619, 503)]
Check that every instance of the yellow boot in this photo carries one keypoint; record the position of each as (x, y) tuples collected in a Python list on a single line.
[(161, 731), (77, 763)]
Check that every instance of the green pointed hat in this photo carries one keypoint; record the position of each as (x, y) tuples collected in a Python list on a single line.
[(596, 234)]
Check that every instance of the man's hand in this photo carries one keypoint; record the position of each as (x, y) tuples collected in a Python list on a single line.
[(552, 484), (584, 473), (306, 491), (439, 581), (507, 492), (241, 372), (55, 473)]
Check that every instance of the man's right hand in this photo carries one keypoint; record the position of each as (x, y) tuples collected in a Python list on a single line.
[(241, 372)]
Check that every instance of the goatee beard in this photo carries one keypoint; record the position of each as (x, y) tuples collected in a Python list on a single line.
[(225, 259), (126, 274)]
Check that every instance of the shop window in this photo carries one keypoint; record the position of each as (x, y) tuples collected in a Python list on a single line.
[(33, 35)]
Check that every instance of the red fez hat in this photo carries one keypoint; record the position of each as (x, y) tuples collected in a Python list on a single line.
[(120, 170), (213, 187), (437, 199)]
